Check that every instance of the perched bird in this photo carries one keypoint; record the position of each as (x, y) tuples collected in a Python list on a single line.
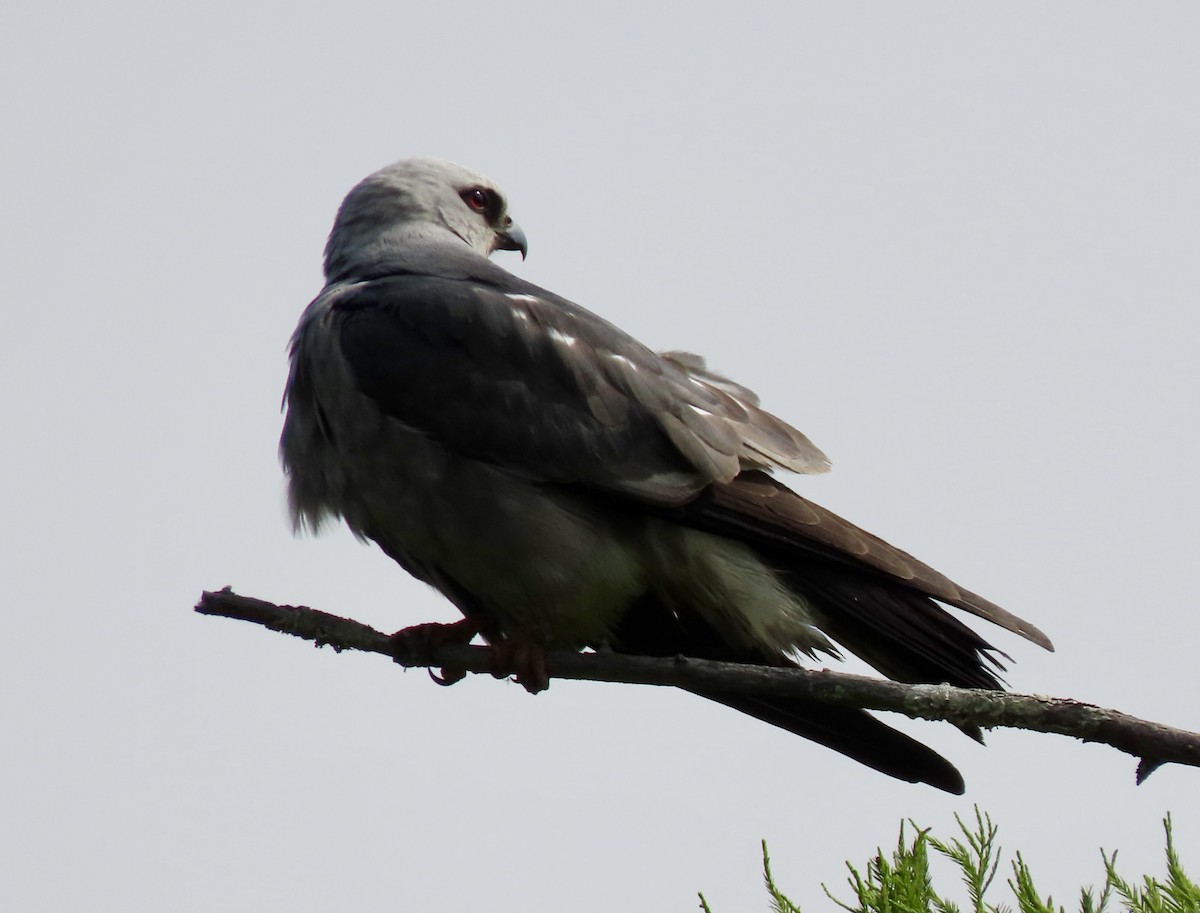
[(566, 487)]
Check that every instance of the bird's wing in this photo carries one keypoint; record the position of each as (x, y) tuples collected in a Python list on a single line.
[(528, 381), (760, 510)]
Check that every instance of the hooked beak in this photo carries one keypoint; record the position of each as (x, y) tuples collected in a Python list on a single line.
[(512, 238)]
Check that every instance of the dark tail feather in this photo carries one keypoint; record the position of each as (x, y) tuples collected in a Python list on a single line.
[(854, 733), (653, 629)]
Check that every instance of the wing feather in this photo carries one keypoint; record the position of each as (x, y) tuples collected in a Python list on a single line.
[(522, 378), (762, 511)]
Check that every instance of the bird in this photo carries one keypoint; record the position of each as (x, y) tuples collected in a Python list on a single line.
[(568, 488)]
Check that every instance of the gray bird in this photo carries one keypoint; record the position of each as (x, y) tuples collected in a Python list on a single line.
[(566, 487)]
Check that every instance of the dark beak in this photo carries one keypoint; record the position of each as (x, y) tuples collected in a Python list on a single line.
[(512, 238)]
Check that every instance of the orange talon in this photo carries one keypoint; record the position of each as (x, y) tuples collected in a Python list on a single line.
[(419, 641), (524, 660)]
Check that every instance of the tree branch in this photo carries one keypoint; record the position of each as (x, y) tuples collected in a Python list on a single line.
[(1152, 743)]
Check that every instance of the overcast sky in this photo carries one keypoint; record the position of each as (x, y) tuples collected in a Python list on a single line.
[(956, 244)]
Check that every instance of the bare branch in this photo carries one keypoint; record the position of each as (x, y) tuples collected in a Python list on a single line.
[(1152, 743)]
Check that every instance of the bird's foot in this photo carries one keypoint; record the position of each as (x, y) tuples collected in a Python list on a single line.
[(419, 641), (524, 660)]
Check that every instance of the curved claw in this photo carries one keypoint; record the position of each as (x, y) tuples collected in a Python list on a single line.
[(447, 678), (524, 661)]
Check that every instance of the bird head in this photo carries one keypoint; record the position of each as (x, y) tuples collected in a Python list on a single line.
[(414, 205)]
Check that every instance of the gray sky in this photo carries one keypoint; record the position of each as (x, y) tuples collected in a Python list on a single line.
[(955, 244)]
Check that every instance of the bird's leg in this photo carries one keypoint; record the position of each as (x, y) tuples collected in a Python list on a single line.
[(524, 659), (424, 639)]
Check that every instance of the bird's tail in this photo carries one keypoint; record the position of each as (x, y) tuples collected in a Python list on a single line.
[(854, 733)]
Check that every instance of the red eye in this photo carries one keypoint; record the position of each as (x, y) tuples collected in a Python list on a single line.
[(476, 198)]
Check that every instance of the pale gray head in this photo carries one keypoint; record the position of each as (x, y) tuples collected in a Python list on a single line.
[(414, 204)]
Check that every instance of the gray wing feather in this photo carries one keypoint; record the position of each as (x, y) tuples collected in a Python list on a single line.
[(537, 384), (765, 440)]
